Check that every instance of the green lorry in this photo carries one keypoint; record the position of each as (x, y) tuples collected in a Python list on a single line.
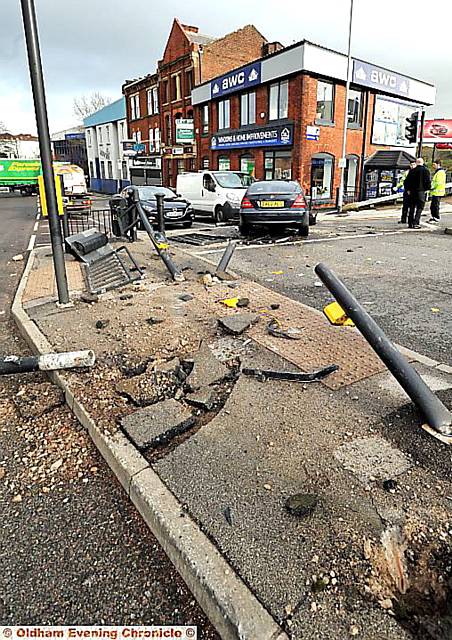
[(20, 175)]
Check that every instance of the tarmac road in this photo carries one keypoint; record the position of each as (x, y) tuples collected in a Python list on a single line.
[(79, 553)]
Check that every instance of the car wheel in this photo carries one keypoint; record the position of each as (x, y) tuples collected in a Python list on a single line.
[(303, 230), (187, 224), (312, 219), (218, 215)]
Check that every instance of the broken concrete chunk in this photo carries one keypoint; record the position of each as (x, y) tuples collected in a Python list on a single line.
[(185, 297), (375, 458), (206, 370), (238, 323), (89, 297), (243, 302), (302, 504), (204, 398), (156, 383), (170, 366), (158, 424)]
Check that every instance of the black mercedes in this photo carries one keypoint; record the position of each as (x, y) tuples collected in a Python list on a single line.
[(177, 210)]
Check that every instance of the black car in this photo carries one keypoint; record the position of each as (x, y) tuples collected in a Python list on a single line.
[(274, 202), (177, 210)]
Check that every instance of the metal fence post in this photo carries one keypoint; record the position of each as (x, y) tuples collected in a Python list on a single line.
[(160, 212)]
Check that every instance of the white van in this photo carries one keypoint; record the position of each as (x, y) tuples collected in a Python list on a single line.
[(214, 193)]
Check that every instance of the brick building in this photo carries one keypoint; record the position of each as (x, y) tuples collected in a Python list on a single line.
[(159, 111), (282, 117)]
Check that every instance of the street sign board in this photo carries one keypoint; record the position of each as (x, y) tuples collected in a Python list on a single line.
[(312, 133), (437, 131), (185, 131), (236, 80), (368, 75)]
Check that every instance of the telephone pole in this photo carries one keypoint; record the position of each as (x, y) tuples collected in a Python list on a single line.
[(39, 98)]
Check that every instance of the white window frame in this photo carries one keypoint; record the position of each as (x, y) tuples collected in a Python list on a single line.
[(155, 99), (149, 102), (135, 106), (151, 140), (157, 139)]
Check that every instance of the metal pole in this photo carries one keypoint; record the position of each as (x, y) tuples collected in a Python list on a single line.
[(46, 362), (437, 415), (37, 85), (347, 93), (434, 153), (160, 212), (226, 257), (421, 134)]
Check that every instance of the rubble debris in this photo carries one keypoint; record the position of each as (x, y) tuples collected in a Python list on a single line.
[(101, 324), (207, 369), (2, 473), (186, 297), (160, 381), (18, 258), (274, 306), (238, 323), (291, 376), (33, 400), (207, 280), (153, 321), (223, 275), (89, 298), (243, 302), (158, 424), (228, 515), (274, 329), (204, 398), (390, 485), (302, 504), (126, 296)]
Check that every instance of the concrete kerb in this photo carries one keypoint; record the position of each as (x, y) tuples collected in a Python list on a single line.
[(230, 605)]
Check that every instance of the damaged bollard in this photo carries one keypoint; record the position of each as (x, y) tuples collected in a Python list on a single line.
[(437, 415), (46, 362), (226, 257)]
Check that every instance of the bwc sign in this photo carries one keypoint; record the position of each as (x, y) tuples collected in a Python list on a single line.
[(248, 76), (368, 75)]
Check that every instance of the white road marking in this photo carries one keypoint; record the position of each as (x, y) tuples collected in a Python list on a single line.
[(31, 244), (35, 228), (38, 216)]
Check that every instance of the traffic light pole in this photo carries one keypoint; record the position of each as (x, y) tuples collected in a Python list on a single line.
[(421, 134), (39, 98)]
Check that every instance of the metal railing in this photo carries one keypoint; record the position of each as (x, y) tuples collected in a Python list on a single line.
[(100, 219)]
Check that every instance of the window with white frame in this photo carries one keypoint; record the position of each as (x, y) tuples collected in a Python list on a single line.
[(248, 108), (150, 104), (157, 139), (151, 140), (205, 119), (155, 99), (279, 100), (224, 114), (138, 136), (107, 132), (134, 106), (88, 137), (99, 131), (121, 131)]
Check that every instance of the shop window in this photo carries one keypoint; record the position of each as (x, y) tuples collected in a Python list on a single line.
[(205, 162), (224, 163), (134, 107), (248, 164), (224, 114), (279, 100), (169, 171), (205, 119), (351, 175), (190, 164), (248, 108), (322, 169), (180, 165), (325, 101), (355, 108), (124, 170), (277, 165)]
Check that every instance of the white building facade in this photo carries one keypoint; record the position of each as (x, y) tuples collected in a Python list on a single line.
[(105, 132), (23, 146)]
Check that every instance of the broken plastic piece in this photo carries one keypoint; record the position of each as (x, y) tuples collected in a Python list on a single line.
[(291, 376), (274, 329), (336, 315), (230, 302)]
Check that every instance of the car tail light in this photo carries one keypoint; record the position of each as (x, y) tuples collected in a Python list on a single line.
[(300, 202), (246, 204)]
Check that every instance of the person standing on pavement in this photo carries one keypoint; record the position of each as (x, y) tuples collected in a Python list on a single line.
[(417, 183), (437, 191), (406, 197)]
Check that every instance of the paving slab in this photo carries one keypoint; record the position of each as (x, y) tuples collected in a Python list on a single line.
[(207, 369), (157, 424)]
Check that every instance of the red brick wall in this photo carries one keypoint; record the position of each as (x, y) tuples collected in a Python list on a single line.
[(234, 50)]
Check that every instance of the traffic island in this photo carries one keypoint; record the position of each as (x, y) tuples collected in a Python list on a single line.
[(369, 490)]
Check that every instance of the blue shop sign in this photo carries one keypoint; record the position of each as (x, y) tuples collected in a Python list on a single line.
[(74, 136), (277, 136), (236, 80), (368, 75)]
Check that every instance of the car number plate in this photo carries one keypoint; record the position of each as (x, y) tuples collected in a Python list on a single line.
[(270, 204), (174, 213)]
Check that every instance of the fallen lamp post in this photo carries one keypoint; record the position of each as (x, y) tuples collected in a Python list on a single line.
[(46, 362), (437, 415)]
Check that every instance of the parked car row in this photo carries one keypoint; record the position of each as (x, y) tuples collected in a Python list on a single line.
[(226, 196)]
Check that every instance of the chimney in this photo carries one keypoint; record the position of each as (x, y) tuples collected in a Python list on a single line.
[(188, 27), (271, 47)]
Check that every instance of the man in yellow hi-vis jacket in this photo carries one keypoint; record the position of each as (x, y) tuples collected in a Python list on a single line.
[(437, 191)]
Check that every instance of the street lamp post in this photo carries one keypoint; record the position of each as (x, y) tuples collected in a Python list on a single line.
[(39, 98), (340, 200)]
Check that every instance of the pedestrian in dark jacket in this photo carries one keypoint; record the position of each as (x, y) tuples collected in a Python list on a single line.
[(417, 183)]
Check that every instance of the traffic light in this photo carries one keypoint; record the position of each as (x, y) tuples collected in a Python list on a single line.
[(411, 127)]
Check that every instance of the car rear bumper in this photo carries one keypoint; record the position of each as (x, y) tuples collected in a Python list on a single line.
[(285, 216)]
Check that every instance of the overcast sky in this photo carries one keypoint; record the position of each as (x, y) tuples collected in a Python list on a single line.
[(94, 45)]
